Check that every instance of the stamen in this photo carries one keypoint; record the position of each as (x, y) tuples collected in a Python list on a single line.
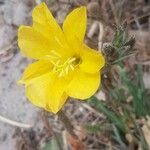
[(57, 63), (71, 60), (52, 62), (67, 69), (62, 68), (61, 73), (71, 66)]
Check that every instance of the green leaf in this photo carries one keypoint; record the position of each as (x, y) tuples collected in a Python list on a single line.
[(51, 145), (141, 136), (54, 144), (118, 94), (117, 137), (120, 37), (137, 90), (114, 118), (93, 128), (140, 77)]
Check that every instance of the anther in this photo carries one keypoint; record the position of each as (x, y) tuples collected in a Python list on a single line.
[(62, 69)]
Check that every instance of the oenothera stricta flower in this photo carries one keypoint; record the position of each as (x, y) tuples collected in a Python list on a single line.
[(65, 66)]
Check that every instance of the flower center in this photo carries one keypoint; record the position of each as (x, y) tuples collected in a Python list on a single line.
[(62, 68)]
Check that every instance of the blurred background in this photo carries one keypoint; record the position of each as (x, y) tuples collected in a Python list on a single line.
[(104, 18)]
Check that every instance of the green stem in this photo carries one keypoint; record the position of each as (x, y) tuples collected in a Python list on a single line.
[(49, 128)]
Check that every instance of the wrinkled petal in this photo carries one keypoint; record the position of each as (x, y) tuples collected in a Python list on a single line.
[(32, 43), (57, 95), (74, 26), (43, 20), (35, 70), (47, 91), (43, 37), (45, 23), (83, 85), (38, 91), (92, 60)]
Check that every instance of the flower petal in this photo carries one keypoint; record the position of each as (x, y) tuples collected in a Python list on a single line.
[(32, 43), (37, 91), (47, 91), (43, 37), (74, 26), (42, 16), (35, 70), (83, 85), (45, 23), (92, 60), (57, 95)]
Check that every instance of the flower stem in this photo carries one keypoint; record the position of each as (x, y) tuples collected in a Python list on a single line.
[(65, 120)]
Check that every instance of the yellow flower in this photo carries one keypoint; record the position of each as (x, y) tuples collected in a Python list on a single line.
[(66, 66)]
